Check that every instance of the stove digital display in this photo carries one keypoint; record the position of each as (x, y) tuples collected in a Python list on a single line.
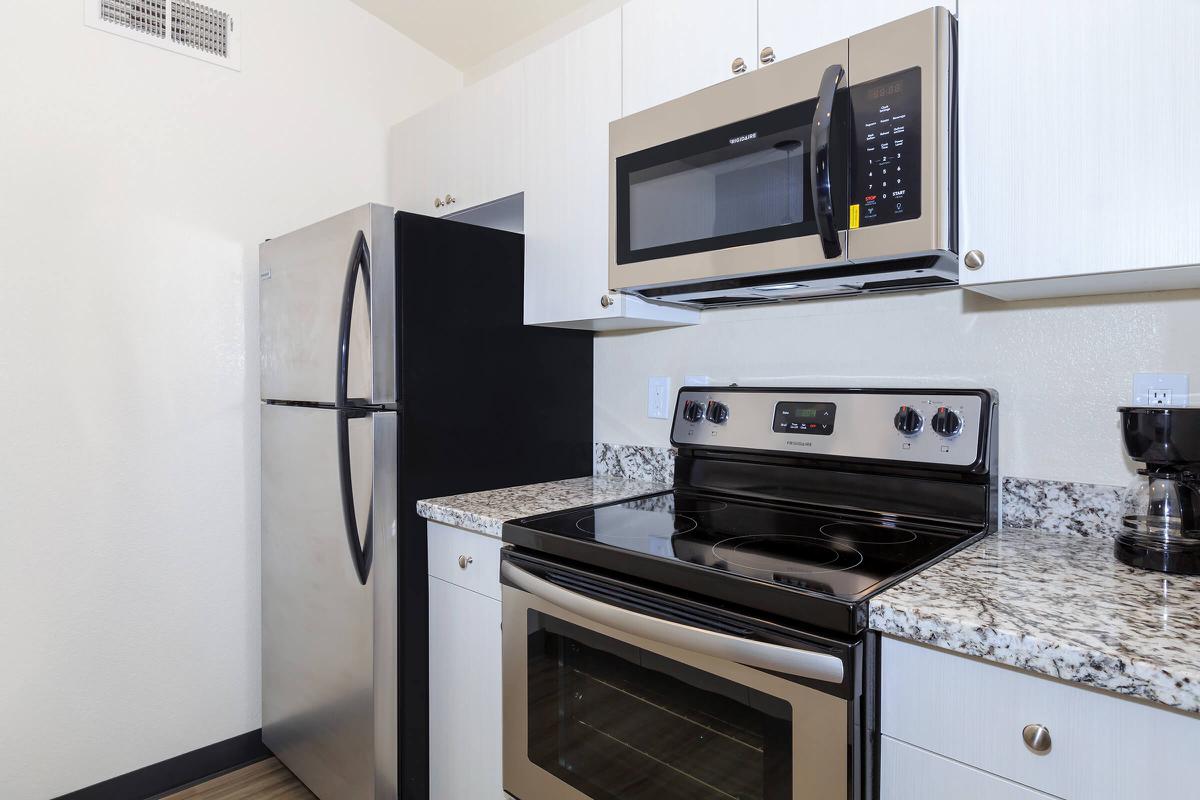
[(811, 418)]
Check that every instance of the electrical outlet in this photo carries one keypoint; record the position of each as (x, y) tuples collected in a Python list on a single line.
[(696, 380), (1160, 389), (658, 391)]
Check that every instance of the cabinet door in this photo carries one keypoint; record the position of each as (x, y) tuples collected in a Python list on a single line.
[(490, 117), (573, 90), (465, 731), (674, 47), (424, 154), (791, 27), (1075, 120), (910, 773)]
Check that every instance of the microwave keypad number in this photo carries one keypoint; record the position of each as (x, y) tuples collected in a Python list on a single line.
[(814, 419), (886, 168)]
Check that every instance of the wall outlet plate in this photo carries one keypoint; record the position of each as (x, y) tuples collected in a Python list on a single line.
[(1160, 389), (658, 393)]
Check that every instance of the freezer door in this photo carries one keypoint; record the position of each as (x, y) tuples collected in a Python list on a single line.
[(315, 291), (317, 622)]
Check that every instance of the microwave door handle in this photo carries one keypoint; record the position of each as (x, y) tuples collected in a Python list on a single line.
[(763, 655), (819, 168)]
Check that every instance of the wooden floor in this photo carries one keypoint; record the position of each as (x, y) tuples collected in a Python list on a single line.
[(264, 780)]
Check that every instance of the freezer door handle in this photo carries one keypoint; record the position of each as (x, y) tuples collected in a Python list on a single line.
[(360, 261), (360, 549)]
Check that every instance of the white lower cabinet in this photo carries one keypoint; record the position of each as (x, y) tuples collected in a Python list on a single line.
[(464, 666), (910, 773), (973, 712)]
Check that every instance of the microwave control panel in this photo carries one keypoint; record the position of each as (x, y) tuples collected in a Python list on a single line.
[(885, 172)]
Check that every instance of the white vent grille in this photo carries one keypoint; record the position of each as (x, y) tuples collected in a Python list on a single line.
[(201, 27), (145, 16), (181, 26)]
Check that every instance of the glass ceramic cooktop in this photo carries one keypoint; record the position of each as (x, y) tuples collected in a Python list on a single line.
[(831, 555)]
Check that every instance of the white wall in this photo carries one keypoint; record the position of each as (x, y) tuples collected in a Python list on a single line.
[(1061, 367), (135, 186)]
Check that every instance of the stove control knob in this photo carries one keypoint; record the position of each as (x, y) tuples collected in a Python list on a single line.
[(908, 421), (693, 410), (716, 412), (946, 422)]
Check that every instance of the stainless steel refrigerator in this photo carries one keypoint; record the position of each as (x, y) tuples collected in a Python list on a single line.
[(394, 366)]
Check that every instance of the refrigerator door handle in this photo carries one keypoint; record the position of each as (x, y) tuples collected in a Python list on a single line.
[(360, 261), (360, 549)]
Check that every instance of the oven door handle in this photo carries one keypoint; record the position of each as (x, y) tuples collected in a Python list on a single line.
[(819, 176), (763, 655)]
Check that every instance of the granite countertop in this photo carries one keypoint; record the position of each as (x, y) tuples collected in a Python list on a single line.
[(1060, 605), (486, 512)]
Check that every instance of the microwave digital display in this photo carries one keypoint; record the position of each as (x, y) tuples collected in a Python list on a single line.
[(885, 174)]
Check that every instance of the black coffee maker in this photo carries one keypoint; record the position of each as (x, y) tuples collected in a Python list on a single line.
[(1160, 520)]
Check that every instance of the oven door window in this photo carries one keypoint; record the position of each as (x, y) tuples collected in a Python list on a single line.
[(620, 723), (735, 185)]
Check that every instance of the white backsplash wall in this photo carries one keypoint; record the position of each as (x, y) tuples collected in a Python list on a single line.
[(1061, 366), (135, 187)]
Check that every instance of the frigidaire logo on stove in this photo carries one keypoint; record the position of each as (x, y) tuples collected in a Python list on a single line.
[(744, 138), (799, 444)]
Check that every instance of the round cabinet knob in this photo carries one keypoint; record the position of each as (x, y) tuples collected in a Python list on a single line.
[(716, 412), (946, 422), (693, 410), (738, 66), (438, 202), (973, 259), (767, 55), (1037, 738), (450, 199), (908, 420), (607, 300), (465, 561)]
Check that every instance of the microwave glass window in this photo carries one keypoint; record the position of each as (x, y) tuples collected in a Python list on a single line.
[(620, 723), (749, 185)]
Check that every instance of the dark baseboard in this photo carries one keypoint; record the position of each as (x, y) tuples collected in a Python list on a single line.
[(177, 772)]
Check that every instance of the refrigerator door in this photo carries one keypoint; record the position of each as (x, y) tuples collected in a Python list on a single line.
[(317, 617), (322, 299)]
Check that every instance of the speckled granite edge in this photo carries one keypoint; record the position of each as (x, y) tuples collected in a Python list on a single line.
[(486, 512), (634, 462), (1085, 509), (1060, 606)]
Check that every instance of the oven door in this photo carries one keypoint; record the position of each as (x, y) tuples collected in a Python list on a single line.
[(615, 693), (745, 177)]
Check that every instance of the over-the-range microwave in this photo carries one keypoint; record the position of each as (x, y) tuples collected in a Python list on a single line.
[(828, 173)]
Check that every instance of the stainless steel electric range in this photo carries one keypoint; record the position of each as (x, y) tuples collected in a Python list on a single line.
[(712, 641)]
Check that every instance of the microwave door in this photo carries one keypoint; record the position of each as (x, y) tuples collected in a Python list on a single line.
[(719, 185), (902, 151)]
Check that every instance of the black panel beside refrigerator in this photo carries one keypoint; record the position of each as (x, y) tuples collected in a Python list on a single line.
[(487, 402)]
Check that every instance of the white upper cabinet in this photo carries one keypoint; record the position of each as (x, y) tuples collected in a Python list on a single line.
[(464, 151), (1076, 125), (791, 27), (573, 90), (674, 47)]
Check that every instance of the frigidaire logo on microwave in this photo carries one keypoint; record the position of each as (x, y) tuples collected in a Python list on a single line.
[(744, 138)]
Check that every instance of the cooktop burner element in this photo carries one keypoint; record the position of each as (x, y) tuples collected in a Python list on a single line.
[(867, 534), (797, 503), (790, 555)]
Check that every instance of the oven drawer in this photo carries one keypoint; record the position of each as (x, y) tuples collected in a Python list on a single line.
[(464, 558), (599, 706), (1101, 746)]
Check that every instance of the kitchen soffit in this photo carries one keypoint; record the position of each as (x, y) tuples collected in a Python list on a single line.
[(468, 32)]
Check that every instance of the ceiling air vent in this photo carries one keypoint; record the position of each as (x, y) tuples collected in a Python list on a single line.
[(181, 26)]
